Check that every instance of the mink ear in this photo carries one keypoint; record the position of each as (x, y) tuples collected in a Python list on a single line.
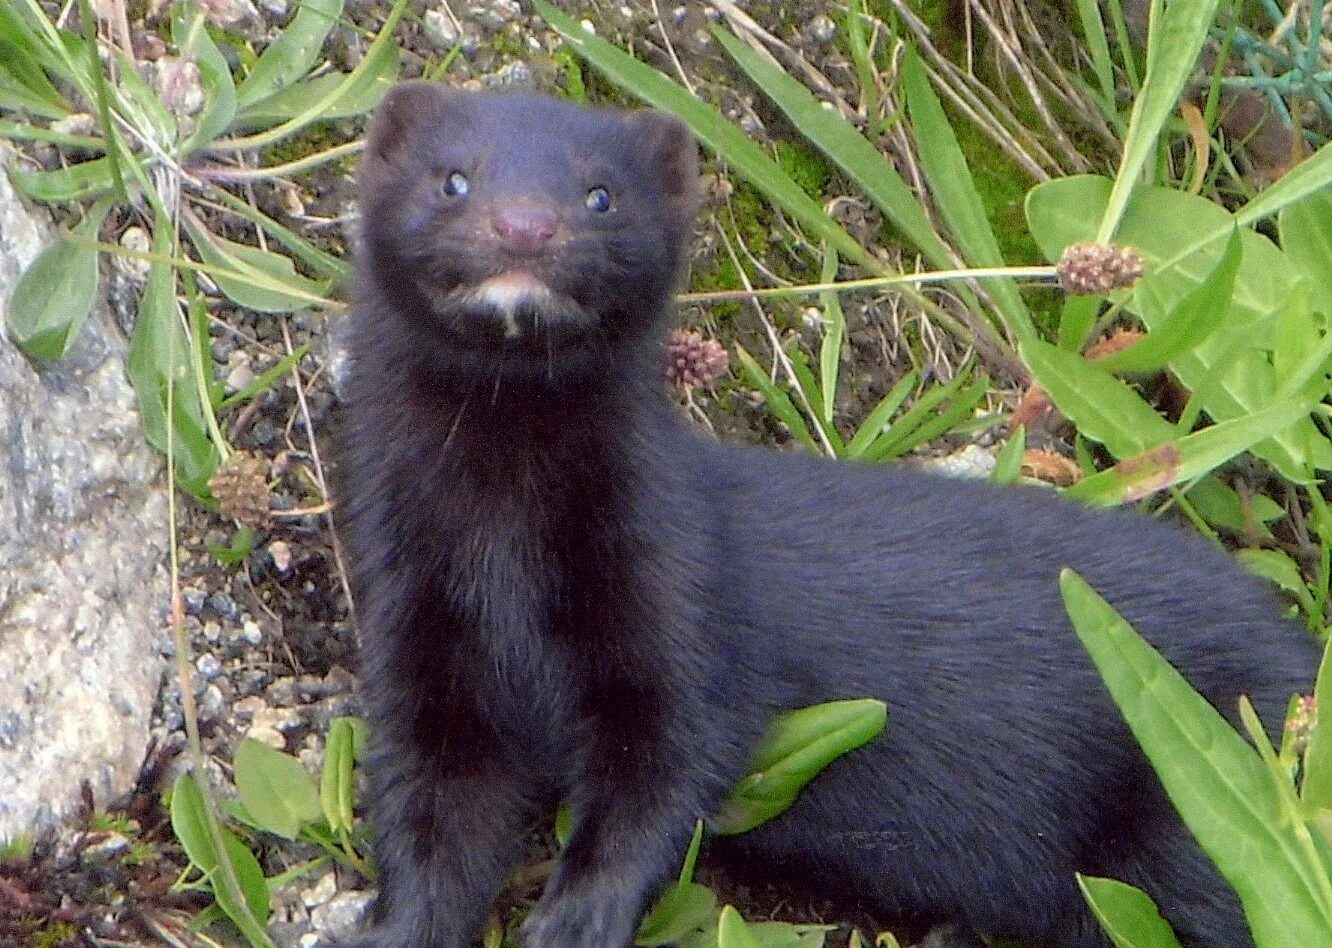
[(403, 109), (673, 155)]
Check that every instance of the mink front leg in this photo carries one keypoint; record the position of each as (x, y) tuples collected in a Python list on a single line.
[(650, 767), (447, 804)]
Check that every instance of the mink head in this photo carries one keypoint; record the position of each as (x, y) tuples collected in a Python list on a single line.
[(514, 227)]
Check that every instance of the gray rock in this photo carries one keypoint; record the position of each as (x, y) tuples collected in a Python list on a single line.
[(83, 529)]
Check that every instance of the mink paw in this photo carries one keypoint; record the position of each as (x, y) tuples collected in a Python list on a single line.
[(572, 922)]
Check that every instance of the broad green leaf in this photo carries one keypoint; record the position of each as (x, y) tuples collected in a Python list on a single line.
[(1220, 506), (733, 932), (64, 185), (1102, 407), (1182, 460), (1187, 323), (336, 790), (684, 908), (718, 134), (844, 145), (796, 747), (292, 54), (1306, 238), (779, 403), (1216, 780), (1177, 37), (219, 88), (189, 821), (275, 788), (954, 192), (263, 281), (1316, 789), (1128, 915), (1230, 368), (877, 421), (55, 294)]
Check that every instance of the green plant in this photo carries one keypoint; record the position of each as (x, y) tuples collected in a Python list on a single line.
[(158, 159), (274, 795), (1261, 815)]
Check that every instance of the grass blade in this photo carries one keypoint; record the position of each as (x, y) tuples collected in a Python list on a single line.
[(1176, 40), (955, 194), (747, 158), (844, 145)]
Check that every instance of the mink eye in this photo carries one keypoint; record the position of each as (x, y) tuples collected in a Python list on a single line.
[(599, 200), (455, 185)]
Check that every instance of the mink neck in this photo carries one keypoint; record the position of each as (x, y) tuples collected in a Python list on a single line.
[(507, 420)]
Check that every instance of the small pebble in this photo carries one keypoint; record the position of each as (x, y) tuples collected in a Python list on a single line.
[(208, 665)]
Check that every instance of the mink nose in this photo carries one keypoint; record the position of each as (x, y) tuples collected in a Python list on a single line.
[(524, 228)]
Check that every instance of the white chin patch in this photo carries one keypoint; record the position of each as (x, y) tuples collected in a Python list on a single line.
[(509, 291)]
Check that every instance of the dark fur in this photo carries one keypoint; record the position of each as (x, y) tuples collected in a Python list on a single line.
[(564, 592)]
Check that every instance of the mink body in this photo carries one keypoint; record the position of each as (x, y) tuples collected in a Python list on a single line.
[(566, 594)]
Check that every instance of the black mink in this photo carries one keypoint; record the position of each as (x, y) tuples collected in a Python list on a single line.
[(567, 594)]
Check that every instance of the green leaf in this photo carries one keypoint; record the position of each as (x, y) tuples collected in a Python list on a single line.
[(778, 402), (16, 97), (916, 427), (954, 192), (367, 79), (55, 294), (1281, 569), (834, 327), (343, 102), (1187, 323), (1077, 320), (733, 932), (190, 822), (1316, 790), (1221, 506), (1230, 371), (1182, 460), (1306, 238), (877, 422), (275, 788), (159, 357), (1222, 789), (683, 909), (1128, 915), (844, 145), (336, 790), (64, 185), (1008, 463), (219, 89), (796, 747), (263, 280), (293, 54), (787, 935), (1102, 407), (718, 134)]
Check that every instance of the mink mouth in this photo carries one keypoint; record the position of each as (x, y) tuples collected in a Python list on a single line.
[(514, 308)]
